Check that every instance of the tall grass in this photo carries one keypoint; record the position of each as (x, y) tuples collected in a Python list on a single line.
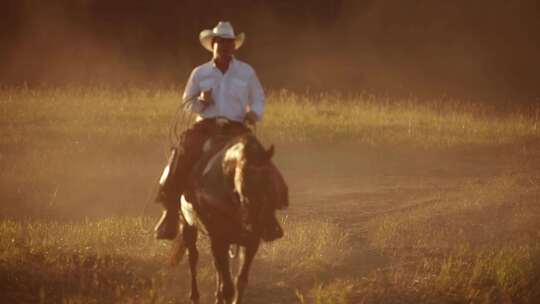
[(379, 121), (80, 112)]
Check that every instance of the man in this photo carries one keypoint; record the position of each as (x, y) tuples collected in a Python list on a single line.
[(223, 87)]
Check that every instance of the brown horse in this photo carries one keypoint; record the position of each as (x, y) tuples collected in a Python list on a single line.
[(233, 196)]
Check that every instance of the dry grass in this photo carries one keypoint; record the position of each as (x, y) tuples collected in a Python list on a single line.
[(115, 260), (140, 113), (440, 123)]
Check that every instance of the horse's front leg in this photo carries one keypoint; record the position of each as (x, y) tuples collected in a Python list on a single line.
[(189, 235), (242, 278), (219, 296), (225, 288)]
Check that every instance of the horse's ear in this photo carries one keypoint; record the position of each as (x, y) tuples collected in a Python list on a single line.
[(270, 152)]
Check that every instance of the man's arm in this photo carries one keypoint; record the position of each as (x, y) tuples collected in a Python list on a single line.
[(256, 98), (190, 99)]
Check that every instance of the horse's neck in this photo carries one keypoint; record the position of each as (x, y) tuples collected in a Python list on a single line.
[(216, 171)]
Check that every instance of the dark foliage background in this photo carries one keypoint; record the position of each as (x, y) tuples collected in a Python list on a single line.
[(473, 49)]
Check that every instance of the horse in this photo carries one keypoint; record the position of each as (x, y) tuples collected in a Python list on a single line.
[(232, 195)]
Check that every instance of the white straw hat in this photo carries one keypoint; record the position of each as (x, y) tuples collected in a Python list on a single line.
[(224, 30)]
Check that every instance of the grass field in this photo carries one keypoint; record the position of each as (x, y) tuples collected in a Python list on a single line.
[(392, 201)]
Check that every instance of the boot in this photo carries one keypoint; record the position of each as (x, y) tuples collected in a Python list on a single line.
[(168, 195), (168, 225), (273, 230)]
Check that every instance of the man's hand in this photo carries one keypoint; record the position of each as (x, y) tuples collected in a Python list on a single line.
[(206, 98), (250, 118)]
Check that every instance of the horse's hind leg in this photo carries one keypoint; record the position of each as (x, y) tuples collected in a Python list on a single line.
[(189, 234), (225, 288), (242, 278)]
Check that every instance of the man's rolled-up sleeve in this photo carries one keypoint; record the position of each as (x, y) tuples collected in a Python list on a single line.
[(256, 96), (191, 93)]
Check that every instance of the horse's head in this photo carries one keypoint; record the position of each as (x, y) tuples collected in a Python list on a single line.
[(259, 184)]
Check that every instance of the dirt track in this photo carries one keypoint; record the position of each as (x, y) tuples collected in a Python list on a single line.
[(352, 183)]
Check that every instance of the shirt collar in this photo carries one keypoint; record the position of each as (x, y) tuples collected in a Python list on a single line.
[(231, 64)]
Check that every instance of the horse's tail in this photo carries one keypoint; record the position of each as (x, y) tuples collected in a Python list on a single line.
[(178, 252)]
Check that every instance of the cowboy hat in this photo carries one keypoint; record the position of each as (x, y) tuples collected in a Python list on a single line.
[(224, 30)]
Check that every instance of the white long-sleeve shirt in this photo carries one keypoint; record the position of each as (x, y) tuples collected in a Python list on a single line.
[(234, 93)]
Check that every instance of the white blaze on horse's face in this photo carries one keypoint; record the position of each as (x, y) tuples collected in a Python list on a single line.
[(235, 152)]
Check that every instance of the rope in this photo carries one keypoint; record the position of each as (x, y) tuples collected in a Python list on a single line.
[(178, 123)]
